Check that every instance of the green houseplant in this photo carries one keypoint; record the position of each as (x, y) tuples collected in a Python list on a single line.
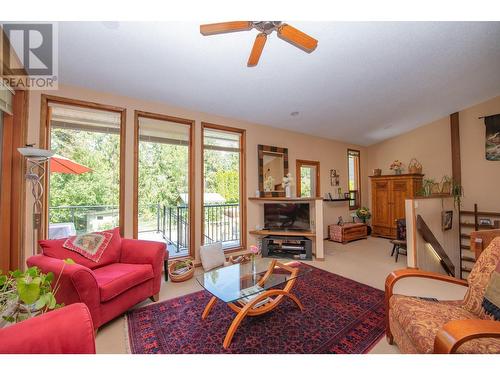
[(364, 214), (27, 294)]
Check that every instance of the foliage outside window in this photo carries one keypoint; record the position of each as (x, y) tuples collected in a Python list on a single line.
[(353, 157)]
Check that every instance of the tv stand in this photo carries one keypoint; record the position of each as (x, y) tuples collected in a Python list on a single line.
[(316, 233), (285, 246)]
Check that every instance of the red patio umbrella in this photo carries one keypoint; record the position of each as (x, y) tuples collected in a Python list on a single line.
[(60, 164)]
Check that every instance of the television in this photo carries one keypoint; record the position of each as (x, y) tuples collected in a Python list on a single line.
[(287, 216)]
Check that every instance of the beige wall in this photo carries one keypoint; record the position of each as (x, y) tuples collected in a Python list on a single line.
[(431, 145), (480, 177), (331, 154)]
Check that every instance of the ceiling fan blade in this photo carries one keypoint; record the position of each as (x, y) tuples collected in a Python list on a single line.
[(258, 46), (297, 38), (225, 27)]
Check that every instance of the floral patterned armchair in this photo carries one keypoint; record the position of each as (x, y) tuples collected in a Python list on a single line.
[(419, 325)]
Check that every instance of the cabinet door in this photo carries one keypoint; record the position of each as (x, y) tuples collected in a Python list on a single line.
[(381, 208), (400, 192)]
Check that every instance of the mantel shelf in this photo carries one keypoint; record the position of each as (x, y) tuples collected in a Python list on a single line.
[(284, 199), (337, 200), (264, 232)]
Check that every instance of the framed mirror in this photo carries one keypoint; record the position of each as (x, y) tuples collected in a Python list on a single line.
[(273, 166)]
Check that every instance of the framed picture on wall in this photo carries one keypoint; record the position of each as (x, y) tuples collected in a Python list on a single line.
[(447, 220)]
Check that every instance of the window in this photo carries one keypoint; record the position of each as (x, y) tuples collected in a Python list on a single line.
[(353, 166), (308, 179), (85, 187), (223, 188), (163, 187)]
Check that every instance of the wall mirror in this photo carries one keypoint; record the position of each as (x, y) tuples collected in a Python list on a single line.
[(308, 180), (273, 166)]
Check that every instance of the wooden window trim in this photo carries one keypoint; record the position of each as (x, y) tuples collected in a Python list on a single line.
[(358, 192), (45, 142), (299, 163), (178, 120), (243, 183), (13, 185)]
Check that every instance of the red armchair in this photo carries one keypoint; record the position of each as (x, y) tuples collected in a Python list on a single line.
[(68, 330), (128, 272)]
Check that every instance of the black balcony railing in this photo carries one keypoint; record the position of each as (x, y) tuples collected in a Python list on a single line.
[(221, 222)]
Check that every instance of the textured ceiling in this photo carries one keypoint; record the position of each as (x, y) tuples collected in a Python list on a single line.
[(366, 81)]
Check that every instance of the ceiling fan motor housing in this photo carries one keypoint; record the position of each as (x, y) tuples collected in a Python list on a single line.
[(266, 27)]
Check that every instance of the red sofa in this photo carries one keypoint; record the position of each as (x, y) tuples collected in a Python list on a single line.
[(128, 272), (68, 330)]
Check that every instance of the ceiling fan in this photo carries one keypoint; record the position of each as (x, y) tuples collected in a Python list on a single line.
[(284, 31)]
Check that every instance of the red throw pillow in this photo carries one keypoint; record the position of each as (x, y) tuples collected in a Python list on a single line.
[(56, 249)]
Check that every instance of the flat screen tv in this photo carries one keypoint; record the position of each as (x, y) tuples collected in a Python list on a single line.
[(287, 216)]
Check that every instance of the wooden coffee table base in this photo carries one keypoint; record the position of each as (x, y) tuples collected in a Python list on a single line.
[(247, 309)]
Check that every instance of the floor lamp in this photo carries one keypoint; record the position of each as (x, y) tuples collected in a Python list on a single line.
[(37, 162)]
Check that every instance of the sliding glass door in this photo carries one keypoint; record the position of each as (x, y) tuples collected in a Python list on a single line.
[(223, 187), (164, 181)]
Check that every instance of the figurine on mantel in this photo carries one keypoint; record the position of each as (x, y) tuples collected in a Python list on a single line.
[(287, 185)]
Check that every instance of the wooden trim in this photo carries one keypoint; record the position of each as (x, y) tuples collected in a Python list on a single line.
[(12, 185), (311, 163), (45, 116), (455, 148), (243, 182), (456, 332), (397, 275), (5, 192), (191, 171), (358, 167)]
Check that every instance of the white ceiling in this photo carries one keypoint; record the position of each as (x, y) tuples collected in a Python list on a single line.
[(365, 82)]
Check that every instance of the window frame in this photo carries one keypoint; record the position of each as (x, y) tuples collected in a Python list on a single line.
[(299, 163), (357, 199), (45, 129), (242, 175), (191, 184)]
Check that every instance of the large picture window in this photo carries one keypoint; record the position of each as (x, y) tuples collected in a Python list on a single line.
[(353, 164), (164, 181), (84, 180), (223, 196)]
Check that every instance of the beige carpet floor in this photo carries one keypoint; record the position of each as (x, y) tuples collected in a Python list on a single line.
[(367, 261)]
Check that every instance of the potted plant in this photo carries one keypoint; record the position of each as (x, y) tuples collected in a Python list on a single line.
[(27, 294), (427, 186), (363, 213), (446, 184), (457, 191), (397, 166)]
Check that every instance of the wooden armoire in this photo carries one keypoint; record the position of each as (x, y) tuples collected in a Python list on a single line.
[(389, 193)]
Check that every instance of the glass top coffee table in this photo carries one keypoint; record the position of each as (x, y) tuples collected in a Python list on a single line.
[(250, 289)]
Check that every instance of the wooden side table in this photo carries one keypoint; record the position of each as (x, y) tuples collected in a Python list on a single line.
[(347, 232)]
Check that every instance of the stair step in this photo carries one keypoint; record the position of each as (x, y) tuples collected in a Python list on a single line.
[(466, 269), (465, 247), (465, 236), (466, 258)]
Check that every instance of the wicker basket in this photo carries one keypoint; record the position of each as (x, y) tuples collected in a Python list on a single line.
[(183, 277), (414, 167), (436, 188)]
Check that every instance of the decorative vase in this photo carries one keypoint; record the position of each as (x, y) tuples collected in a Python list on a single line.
[(288, 191), (397, 171)]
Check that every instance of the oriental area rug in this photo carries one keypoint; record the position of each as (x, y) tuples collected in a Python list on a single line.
[(340, 316)]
